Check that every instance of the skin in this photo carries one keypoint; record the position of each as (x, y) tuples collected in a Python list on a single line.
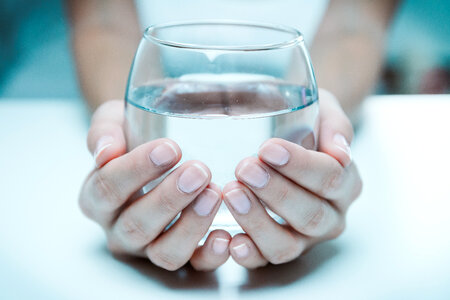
[(356, 31), (311, 190), (136, 226), (105, 35)]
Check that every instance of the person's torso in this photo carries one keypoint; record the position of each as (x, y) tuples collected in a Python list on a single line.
[(304, 15)]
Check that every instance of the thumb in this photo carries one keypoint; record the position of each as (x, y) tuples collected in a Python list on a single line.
[(335, 129), (106, 139)]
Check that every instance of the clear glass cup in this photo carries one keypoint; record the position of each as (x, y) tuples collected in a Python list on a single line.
[(219, 89)]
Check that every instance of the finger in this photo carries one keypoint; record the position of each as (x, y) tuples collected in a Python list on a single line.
[(335, 130), (146, 218), (315, 171), (107, 189), (173, 249), (213, 253), (244, 252), (277, 243), (106, 138), (304, 211)]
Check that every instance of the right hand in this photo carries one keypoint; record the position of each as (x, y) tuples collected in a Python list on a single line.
[(137, 226)]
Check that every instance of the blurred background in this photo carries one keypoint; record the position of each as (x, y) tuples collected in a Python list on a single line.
[(36, 60)]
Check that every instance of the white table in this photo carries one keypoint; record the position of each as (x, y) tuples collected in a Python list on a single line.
[(396, 246)]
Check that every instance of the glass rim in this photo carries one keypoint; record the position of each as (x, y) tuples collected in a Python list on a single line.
[(297, 37)]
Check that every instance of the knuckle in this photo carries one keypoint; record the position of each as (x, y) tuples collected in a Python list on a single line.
[(332, 182), (164, 259), (169, 204), (281, 194), (136, 167), (132, 230), (256, 225), (312, 222), (106, 191)]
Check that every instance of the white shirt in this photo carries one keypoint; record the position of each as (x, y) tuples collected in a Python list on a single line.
[(305, 15)]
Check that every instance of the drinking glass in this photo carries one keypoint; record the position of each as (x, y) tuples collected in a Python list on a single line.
[(219, 89)]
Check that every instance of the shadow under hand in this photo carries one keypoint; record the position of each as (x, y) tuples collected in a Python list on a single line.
[(184, 278), (281, 275)]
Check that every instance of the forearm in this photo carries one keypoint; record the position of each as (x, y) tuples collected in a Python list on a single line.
[(105, 35), (349, 46)]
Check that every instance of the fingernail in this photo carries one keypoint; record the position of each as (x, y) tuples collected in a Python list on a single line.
[(274, 154), (241, 250), (220, 245), (342, 143), (163, 154), (205, 202), (102, 143), (239, 201), (254, 175), (192, 178)]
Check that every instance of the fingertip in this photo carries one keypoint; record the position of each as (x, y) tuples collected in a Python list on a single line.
[(274, 153), (337, 146), (219, 241), (243, 163), (336, 130), (213, 253), (240, 247), (232, 186), (216, 188), (245, 252), (201, 166), (172, 144), (107, 148), (342, 144)]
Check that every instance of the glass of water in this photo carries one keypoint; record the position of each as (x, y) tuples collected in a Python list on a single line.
[(220, 89)]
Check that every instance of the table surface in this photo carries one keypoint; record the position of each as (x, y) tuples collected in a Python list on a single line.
[(396, 246)]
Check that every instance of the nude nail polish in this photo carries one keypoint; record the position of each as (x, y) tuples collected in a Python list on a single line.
[(220, 245), (205, 202), (163, 154), (241, 250), (274, 154), (343, 145), (192, 178), (254, 175), (102, 143), (239, 201)]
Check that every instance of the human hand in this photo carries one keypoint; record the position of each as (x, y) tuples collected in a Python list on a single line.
[(310, 190), (135, 225)]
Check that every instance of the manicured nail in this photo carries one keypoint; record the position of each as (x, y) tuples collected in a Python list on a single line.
[(241, 250), (254, 175), (102, 143), (192, 178), (274, 154), (163, 154), (205, 202), (343, 145), (220, 245), (239, 201)]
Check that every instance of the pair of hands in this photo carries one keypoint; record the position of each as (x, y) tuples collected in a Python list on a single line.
[(310, 190)]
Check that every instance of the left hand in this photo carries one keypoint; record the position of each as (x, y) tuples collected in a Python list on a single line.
[(310, 190)]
